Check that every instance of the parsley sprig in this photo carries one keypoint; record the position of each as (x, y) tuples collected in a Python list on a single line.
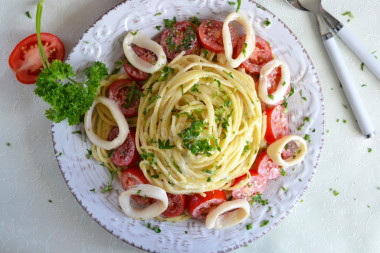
[(69, 99)]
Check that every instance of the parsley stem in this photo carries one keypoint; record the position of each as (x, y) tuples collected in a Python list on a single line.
[(44, 59)]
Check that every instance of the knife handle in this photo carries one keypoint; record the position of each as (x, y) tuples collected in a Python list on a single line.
[(357, 47), (349, 88)]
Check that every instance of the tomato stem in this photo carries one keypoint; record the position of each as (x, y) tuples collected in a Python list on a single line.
[(44, 59)]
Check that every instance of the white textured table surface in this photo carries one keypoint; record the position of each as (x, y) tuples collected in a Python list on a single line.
[(323, 222)]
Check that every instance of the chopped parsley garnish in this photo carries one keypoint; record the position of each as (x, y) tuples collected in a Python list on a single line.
[(109, 186), (134, 94), (225, 123), (246, 147), (170, 23), (92, 190), (155, 176), (148, 225), (209, 179), (249, 226), (306, 137), (267, 22), (134, 33), (187, 114), (348, 13), (110, 152), (257, 198), (119, 64), (195, 88), (238, 5), (150, 157), (230, 74), (364, 85), (291, 90), (336, 193), (8, 144), (28, 14), (165, 73), (283, 172), (264, 223), (164, 144), (158, 27), (211, 172), (60, 153), (76, 132), (195, 21), (284, 189), (157, 14), (186, 232), (152, 99), (271, 96), (209, 23), (205, 52), (157, 230), (193, 141), (369, 150), (138, 193), (231, 3), (50, 201), (89, 153), (244, 49), (362, 66)]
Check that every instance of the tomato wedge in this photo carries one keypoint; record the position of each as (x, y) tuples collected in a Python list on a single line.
[(176, 205), (200, 206), (266, 167), (182, 37), (277, 124), (211, 35), (261, 55), (25, 58), (256, 184), (126, 153), (119, 91), (145, 55), (132, 177)]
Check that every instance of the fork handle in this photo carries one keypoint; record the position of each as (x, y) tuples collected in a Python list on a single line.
[(357, 47), (349, 88)]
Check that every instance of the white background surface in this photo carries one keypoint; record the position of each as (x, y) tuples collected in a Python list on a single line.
[(29, 174)]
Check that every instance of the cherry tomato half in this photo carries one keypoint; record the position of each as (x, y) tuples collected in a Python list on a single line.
[(266, 167), (211, 35), (126, 153), (200, 206), (277, 124), (118, 92), (176, 205), (25, 60), (132, 177)]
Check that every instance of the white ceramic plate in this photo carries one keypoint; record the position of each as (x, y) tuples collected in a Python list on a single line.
[(102, 42)]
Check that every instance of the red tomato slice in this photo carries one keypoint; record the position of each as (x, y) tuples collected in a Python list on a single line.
[(211, 35), (126, 153), (256, 184), (132, 177), (266, 167), (261, 55), (182, 37), (200, 206), (118, 92), (277, 124), (176, 205), (145, 55), (25, 58)]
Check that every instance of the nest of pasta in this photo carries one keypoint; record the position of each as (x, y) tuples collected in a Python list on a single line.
[(199, 126)]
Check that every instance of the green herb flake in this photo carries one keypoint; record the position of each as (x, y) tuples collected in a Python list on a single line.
[(209, 23), (148, 225), (92, 190), (158, 14), (138, 193), (119, 64), (157, 230), (369, 150), (249, 226), (205, 52), (238, 5), (195, 88), (50, 201), (231, 3), (186, 232), (257, 199), (284, 189), (109, 186), (362, 66), (152, 99), (348, 13), (267, 22), (76, 132), (28, 14), (60, 153), (158, 27), (165, 144), (8, 144), (195, 21), (208, 179), (246, 147), (170, 23), (165, 71), (230, 74), (264, 223), (89, 153), (150, 157), (306, 137), (271, 96), (299, 179), (244, 49), (209, 171), (283, 172), (110, 152), (134, 33)]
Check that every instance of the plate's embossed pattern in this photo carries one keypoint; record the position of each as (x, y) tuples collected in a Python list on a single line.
[(102, 42)]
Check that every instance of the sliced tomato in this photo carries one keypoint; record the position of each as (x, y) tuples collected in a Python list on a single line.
[(277, 124), (200, 206), (145, 55), (126, 153), (261, 55), (256, 184), (211, 35), (182, 37), (266, 167), (119, 90), (176, 205), (132, 177), (25, 60)]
